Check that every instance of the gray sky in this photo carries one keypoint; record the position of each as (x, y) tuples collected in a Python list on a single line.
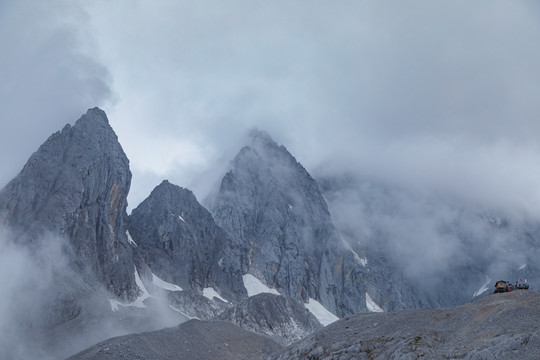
[(434, 94)]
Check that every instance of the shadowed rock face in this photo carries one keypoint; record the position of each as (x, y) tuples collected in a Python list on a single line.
[(501, 326), (181, 243), (276, 215), (75, 186), (283, 319)]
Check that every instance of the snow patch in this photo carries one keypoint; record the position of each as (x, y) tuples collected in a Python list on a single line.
[(483, 288), (522, 267), (164, 285), (181, 218), (138, 302), (181, 312), (324, 316), (145, 295), (130, 239), (357, 258), (254, 286), (115, 304), (371, 305), (211, 293)]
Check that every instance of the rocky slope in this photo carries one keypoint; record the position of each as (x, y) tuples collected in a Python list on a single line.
[(75, 186), (501, 326), (283, 319), (181, 243), (276, 215), (193, 340), (65, 253)]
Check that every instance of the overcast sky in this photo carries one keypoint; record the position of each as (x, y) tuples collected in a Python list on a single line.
[(434, 94)]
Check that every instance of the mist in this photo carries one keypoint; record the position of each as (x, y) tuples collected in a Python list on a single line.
[(432, 237), (419, 93), (48, 312)]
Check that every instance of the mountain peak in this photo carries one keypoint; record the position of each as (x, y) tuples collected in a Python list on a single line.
[(261, 136), (96, 114), (77, 179)]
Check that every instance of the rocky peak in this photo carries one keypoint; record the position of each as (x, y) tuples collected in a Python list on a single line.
[(275, 213), (181, 243), (75, 186)]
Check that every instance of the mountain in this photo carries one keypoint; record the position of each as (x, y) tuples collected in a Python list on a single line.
[(426, 249), (181, 244), (75, 186), (501, 326), (193, 340), (275, 214), (68, 270)]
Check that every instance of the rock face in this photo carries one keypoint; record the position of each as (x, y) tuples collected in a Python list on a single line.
[(277, 217), (283, 319), (180, 242), (193, 340), (501, 326), (75, 186)]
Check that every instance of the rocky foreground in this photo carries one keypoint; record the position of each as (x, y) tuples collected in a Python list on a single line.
[(501, 326), (195, 339)]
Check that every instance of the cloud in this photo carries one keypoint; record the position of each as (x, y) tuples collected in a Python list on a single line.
[(47, 79), (440, 95)]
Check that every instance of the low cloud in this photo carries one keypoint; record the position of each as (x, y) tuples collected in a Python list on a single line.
[(49, 77), (429, 236), (438, 95)]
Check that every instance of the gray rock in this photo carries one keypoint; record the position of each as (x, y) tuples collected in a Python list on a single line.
[(276, 215), (180, 242), (501, 326), (193, 340), (283, 319), (75, 186)]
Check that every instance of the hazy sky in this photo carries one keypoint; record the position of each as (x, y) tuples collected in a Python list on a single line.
[(433, 94)]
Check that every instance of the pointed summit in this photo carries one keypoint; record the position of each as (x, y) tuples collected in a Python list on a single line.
[(275, 213), (75, 186), (182, 244), (261, 136), (95, 114)]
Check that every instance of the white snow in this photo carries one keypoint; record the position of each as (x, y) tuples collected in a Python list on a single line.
[(371, 305), (138, 302), (211, 293), (145, 295), (130, 239), (357, 258), (164, 285), (178, 311), (483, 288), (254, 286), (181, 218), (324, 316), (114, 304), (522, 267)]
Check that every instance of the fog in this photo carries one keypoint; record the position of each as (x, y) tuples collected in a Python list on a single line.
[(435, 240), (48, 312), (439, 95)]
